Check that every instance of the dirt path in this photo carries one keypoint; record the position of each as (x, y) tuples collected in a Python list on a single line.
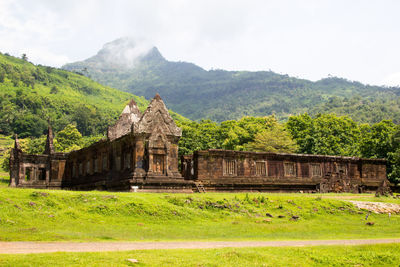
[(46, 247)]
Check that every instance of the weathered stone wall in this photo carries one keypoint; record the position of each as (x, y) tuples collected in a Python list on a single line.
[(37, 171), (106, 165), (237, 170)]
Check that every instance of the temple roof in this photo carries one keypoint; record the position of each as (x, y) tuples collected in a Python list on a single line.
[(157, 116), (130, 115)]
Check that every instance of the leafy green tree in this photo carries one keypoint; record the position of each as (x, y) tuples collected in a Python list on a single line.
[(5, 160), (394, 156), (199, 136), (29, 125), (236, 134), (54, 90), (394, 166), (2, 74), (326, 134), (274, 139), (15, 78), (301, 127), (376, 140), (68, 139), (35, 145)]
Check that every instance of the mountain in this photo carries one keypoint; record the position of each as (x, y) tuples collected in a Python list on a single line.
[(221, 95)]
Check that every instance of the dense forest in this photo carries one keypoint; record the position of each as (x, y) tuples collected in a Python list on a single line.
[(31, 95), (222, 95)]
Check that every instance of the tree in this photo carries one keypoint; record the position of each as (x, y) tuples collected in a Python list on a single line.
[(275, 139), (29, 125), (394, 166), (2, 74), (236, 134), (300, 128), (35, 145), (24, 57), (394, 156), (199, 136), (376, 140), (326, 134), (68, 139), (54, 90)]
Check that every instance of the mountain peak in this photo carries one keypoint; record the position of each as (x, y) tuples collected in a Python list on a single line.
[(127, 52)]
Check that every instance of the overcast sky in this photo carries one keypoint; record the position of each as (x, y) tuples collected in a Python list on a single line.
[(357, 40)]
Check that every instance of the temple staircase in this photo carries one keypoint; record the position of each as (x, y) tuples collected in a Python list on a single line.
[(199, 187)]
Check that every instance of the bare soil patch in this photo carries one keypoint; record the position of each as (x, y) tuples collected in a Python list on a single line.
[(47, 247)]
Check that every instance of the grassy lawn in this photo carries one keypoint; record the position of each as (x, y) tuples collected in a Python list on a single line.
[(365, 255), (4, 179), (45, 215)]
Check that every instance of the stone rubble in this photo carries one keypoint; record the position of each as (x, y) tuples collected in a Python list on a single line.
[(377, 207)]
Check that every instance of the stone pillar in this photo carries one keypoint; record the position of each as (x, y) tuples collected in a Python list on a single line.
[(172, 155), (15, 163), (139, 157), (14, 168)]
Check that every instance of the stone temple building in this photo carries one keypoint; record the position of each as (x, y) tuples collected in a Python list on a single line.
[(141, 151), (141, 154)]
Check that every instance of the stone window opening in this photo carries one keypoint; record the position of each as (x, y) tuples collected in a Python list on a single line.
[(96, 165), (118, 163), (261, 170), (74, 170), (342, 168), (88, 167), (28, 173), (81, 168), (230, 168), (42, 174), (315, 170), (127, 162), (158, 164), (290, 169), (105, 159)]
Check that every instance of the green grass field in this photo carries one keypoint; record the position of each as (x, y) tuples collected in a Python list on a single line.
[(365, 255), (58, 215), (44, 215)]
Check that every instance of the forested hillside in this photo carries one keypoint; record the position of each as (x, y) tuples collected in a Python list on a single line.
[(31, 95), (221, 95)]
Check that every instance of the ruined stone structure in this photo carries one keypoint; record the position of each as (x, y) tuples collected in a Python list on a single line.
[(220, 170), (141, 154)]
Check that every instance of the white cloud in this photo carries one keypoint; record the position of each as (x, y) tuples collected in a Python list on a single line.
[(392, 79), (357, 40)]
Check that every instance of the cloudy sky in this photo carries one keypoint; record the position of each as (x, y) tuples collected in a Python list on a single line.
[(357, 40)]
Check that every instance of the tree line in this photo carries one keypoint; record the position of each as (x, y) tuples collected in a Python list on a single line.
[(324, 134)]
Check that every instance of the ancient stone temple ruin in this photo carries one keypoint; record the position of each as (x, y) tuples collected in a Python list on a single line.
[(259, 171), (141, 154)]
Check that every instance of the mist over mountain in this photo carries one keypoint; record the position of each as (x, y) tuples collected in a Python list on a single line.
[(139, 68)]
